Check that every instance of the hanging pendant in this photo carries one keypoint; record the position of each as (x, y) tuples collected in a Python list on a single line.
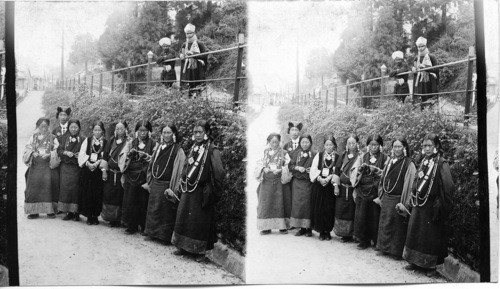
[(195, 149), (119, 141), (141, 145), (190, 160), (271, 153), (373, 160), (328, 157), (350, 156), (426, 162), (420, 174)]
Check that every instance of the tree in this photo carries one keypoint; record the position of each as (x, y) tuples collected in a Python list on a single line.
[(319, 64), (84, 50)]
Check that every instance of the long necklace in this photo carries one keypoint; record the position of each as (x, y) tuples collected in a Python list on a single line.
[(40, 142), (270, 157), (416, 197), (155, 175), (332, 157), (184, 184), (397, 180)]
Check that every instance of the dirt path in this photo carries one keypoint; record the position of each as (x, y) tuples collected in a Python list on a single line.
[(56, 252), (279, 258)]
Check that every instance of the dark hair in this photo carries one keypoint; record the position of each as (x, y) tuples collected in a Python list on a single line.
[(331, 138), (298, 126), (403, 141), (273, 135), (354, 136), (375, 137), (172, 126), (42, 119), (75, 121), (124, 122), (101, 125), (205, 125), (307, 136), (435, 140), (60, 109), (144, 123)]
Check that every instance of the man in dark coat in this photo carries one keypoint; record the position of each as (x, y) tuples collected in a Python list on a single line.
[(168, 76)]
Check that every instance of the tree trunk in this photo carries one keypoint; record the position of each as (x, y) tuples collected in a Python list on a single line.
[(443, 19), (86, 71)]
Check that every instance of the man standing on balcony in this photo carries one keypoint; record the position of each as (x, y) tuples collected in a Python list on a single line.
[(426, 81), (168, 76), (401, 89), (193, 68)]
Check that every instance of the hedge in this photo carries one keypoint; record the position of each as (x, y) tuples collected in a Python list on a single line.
[(3, 195), (393, 118), (160, 105)]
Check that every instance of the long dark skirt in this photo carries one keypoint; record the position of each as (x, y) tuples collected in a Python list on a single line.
[(69, 177), (392, 227), (195, 226), (56, 184), (90, 195), (426, 242), (161, 214), (301, 203), (112, 198), (322, 208), (271, 209), (344, 213), (287, 202), (39, 194), (366, 219), (135, 202)]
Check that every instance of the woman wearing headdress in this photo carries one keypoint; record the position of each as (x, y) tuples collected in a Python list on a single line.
[(39, 196), (293, 144), (114, 159), (168, 75), (347, 168), (135, 197), (366, 190), (93, 174), (323, 197), (401, 88), (300, 166), (271, 210), (69, 171), (200, 186), (394, 199), (163, 176), (426, 241), (193, 68), (426, 81)]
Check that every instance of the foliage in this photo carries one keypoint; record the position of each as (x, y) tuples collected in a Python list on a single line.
[(3, 195), (392, 119), (83, 50), (160, 105)]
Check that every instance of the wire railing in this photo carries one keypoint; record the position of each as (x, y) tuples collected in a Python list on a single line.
[(133, 78), (361, 92)]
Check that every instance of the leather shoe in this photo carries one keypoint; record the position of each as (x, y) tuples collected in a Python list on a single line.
[(33, 216), (68, 217)]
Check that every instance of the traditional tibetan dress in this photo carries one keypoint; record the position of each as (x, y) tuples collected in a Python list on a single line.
[(301, 189), (69, 173)]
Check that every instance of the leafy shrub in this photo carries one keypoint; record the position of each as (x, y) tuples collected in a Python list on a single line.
[(392, 119), (160, 105)]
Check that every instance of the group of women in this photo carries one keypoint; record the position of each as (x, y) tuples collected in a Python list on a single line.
[(366, 197), (135, 182)]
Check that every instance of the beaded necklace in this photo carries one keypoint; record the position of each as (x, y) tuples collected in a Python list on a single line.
[(385, 176), (155, 175), (332, 157), (68, 141), (416, 197), (269, 158), (37, 143), (184, 183)]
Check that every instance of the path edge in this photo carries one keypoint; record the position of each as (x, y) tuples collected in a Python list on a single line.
[(457, 271), (229, 259)]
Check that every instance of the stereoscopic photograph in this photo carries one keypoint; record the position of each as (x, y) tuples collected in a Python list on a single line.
[(168, 143)]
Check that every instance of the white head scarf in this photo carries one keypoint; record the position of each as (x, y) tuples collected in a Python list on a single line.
[(189, 28), (164, 41), (421, 41), (397, 54)]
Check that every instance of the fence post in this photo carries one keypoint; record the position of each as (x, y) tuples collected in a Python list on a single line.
[(347, 92), (91, 84), (335, 97), (468, 93), (78, 79), (112, 77), (150, 59), (364, 100), (383, 70), (326, 100), (241, 41), (129, 63), (100, 84)]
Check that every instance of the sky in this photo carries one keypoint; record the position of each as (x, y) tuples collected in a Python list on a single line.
[(275, 29), (39, 25)]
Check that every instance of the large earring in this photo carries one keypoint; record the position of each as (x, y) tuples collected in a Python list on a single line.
[(136, 134), (392, 153), (192, 137), (161, 139), (404, 152), (435, 151), (205, 137), (115, 134), (423, 152), (357, 146), (173, 138)]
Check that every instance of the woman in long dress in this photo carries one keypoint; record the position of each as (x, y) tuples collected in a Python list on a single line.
[(93, 174), (323, 192), (163, 178), (426, 241), (69, 171), (271, 210), (367, 212), (201, 185), (40, 188), (393, 197), (294, 132), (300, 166), (347, 168), (135, 197), (115, 155)]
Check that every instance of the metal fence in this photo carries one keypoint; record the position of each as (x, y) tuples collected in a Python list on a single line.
[(361, 92), (127, 79)]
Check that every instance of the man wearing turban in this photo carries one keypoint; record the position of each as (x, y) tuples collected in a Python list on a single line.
[(168, 76), (425, 83), (401, 88), (192, 66)]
